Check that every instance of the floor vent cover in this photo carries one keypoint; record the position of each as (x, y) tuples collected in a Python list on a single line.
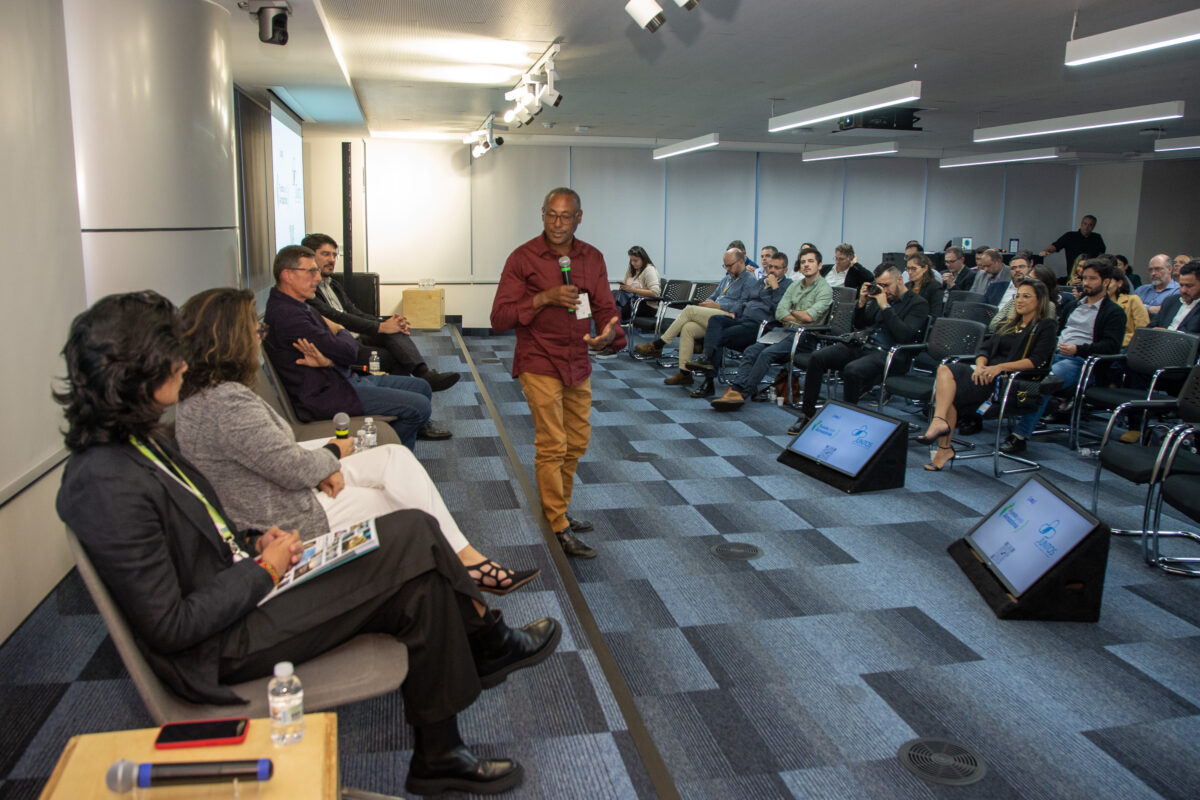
[(735, 551), (942, 761)]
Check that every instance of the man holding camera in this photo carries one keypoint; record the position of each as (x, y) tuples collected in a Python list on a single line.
[(886, 314)]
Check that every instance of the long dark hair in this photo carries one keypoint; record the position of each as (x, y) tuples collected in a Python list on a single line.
[(118, 353), (640, 252), (220, 339)]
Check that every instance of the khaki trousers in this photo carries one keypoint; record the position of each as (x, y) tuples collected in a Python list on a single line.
[(689, 326), (561, 430)]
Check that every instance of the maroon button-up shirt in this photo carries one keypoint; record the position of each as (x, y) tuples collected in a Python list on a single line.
[(550, 342)]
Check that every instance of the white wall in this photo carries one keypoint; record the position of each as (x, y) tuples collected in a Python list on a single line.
[(1169, 219), (1113, 194), (42, 212)]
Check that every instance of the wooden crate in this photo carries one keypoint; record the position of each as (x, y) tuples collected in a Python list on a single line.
[(425, 308)]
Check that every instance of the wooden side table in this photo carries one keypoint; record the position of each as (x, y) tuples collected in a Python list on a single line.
[(306, 769)]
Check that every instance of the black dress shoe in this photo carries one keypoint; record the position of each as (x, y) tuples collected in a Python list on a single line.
[(800, 424), (574, 548), (500, 650), (440, 381), (462, 771), (969, 426), (1013, 444), (579, 525), (431, 433), (705, 389)]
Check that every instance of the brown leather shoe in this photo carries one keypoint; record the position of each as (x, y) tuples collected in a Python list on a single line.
[(648, 349), (680, 378), (732, 399)]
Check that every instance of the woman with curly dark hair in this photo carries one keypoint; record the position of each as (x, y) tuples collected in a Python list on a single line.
[(263, 476), (641, 280), (189, 583)]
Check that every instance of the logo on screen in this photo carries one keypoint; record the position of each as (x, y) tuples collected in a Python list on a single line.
[(826, 430)]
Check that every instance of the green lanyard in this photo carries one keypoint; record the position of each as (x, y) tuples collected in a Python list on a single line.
[(183, 480)]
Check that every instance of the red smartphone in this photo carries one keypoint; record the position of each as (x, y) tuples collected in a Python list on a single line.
[(202, 733)]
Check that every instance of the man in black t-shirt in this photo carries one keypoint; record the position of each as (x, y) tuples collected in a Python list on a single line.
[(1082, 241)]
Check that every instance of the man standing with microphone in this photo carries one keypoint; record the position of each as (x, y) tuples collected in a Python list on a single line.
[(547, 286)]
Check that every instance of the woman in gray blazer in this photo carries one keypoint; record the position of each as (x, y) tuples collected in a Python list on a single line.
[(189, 583), (263, 476)]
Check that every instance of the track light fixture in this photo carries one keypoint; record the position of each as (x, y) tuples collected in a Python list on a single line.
[(530, 96), (646, 13), (687, 5), (483, 140)]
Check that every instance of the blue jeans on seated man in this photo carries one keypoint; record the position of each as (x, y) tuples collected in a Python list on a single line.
[(722, 332), (401, 396), (756, 360), (1066, 367)]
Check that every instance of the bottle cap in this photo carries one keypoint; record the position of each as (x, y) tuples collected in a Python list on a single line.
[(284, 669), (369, 419)]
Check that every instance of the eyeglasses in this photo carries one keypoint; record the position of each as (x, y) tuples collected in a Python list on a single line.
[(262, 331), (310, 270), (550, 216)]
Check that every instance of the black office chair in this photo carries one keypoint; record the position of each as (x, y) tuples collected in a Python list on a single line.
[(675, 293), (960, 296), (1140, 464), (841, 322), (979, 312), (948, 340), (1017, 393), (1152, 355)]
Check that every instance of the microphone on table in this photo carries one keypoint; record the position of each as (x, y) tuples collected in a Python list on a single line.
[(341, 425), (123, 775)]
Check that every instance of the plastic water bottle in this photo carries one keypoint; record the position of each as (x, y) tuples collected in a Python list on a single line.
[(360, 439), (285, 697), (369, 434), (373, 363)]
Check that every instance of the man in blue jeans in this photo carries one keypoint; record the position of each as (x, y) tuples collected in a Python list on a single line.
[(1096, 327), (313, 357)]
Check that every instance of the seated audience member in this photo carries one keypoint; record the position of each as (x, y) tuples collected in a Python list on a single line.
[(1095, 327), (730, 296), (1161, 285), (1135, 312), (921, 280), (641, 280), (957, 276), (806, 302), (189, 584), (887, 316), (319, 392), (1025, 341), (1178, 312), (250, 455), (398, 352), (992, 277), (765, 254), (1134, 279), (1177, 265), (755, 269), (1020, 266), (845, 269), (726, 330)]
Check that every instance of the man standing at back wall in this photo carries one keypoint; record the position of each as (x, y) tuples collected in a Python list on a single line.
[(551, 358)]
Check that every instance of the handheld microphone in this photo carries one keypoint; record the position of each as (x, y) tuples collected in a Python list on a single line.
[(123, 775), (341, 425), (564, 264)]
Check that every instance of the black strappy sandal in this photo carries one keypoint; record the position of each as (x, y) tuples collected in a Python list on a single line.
[(492, 578)]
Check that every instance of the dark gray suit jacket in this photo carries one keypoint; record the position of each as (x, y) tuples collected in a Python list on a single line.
[(1168, 310), (159, 554)]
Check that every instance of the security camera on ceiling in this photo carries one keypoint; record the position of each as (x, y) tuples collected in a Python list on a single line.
[(272, 16)]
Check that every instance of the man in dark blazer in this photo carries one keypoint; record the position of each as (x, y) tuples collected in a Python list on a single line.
[(1172, 315), (391, 336), (845, 271), (890, 316), (321, 386)]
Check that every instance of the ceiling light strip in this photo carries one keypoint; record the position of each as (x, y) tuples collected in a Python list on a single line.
[(687, 146), (1180, 143), (880, 98), (1039, 154), (1080, 122), (881, 149), (1152, 35)]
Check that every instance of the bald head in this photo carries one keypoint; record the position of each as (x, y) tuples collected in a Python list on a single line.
[(1160, 271)]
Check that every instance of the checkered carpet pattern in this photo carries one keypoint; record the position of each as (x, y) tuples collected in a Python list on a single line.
[(797, 674)]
